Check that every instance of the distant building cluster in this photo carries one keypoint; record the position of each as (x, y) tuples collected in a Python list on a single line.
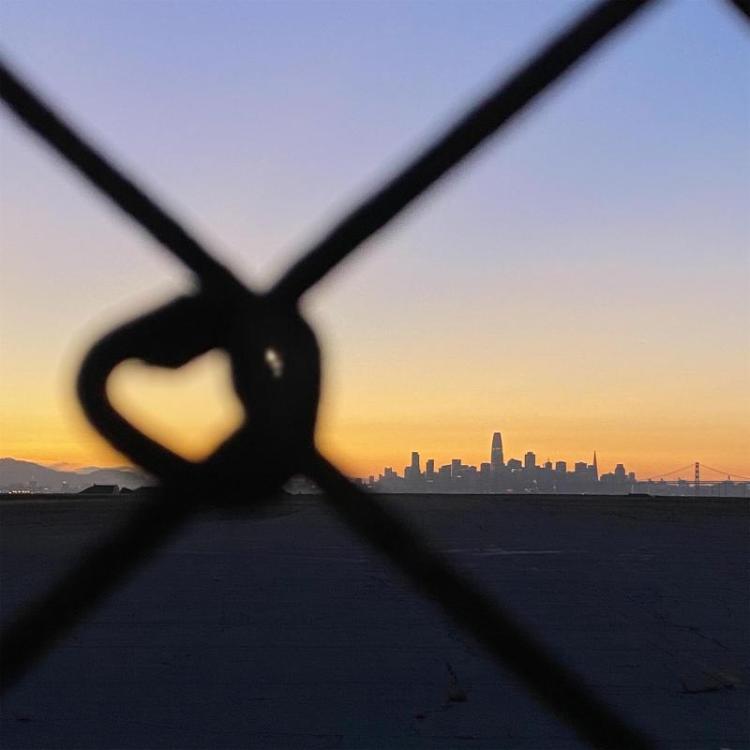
[(498, 475), (37, 487), (21, 477), (97, 490), (527, 476), (494, 476)]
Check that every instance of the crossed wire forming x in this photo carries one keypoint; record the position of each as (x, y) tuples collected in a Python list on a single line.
[(275, 361)]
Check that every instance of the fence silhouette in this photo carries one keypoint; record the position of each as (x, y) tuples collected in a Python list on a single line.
[(276, 372)]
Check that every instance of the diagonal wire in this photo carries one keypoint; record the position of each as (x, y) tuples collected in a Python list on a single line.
[(34, 631), (495, 629), (469, 132), (743, 6), (121, 190), (111, 563)]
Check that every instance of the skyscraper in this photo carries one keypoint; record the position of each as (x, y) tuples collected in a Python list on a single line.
[(412, 473), (415, 464), (456, 468), (429, 470), (496, 455)]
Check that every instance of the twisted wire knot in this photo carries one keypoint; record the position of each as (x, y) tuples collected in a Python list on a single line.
[(275, 363)]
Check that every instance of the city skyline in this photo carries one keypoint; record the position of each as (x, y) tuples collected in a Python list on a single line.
[(583, 278), (492, 475), (496, 454), (496, 475), (495, 464)]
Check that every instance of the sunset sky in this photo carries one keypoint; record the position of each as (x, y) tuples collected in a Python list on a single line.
[(581, 284)]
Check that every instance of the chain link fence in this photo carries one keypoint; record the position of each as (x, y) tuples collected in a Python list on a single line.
[(276, 373)]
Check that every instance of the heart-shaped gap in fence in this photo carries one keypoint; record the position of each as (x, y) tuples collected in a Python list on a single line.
[(190, 410)]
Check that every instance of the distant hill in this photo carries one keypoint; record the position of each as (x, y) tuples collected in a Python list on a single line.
[(15, 474)]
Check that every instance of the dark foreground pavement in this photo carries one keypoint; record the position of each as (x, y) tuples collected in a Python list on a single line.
[(285, 631)]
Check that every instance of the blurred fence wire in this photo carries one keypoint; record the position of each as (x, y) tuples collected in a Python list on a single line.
[(276, 373)]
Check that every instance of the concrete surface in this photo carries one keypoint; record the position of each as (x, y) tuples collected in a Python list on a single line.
[(285, 631)]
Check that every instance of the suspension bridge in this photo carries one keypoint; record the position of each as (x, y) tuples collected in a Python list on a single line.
[(694, 475)]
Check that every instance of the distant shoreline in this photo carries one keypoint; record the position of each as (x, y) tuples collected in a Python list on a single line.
[(410, 497)]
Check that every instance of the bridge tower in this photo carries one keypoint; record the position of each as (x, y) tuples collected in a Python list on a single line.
[(697, 477)]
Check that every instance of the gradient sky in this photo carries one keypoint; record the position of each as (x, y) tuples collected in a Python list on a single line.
[(582, 283)]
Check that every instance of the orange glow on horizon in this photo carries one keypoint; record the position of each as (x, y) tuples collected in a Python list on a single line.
[(375, 412), (85, 450), (363, 449)]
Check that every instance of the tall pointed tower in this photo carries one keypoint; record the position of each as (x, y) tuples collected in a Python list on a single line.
[(596, 468), (496, 454)]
